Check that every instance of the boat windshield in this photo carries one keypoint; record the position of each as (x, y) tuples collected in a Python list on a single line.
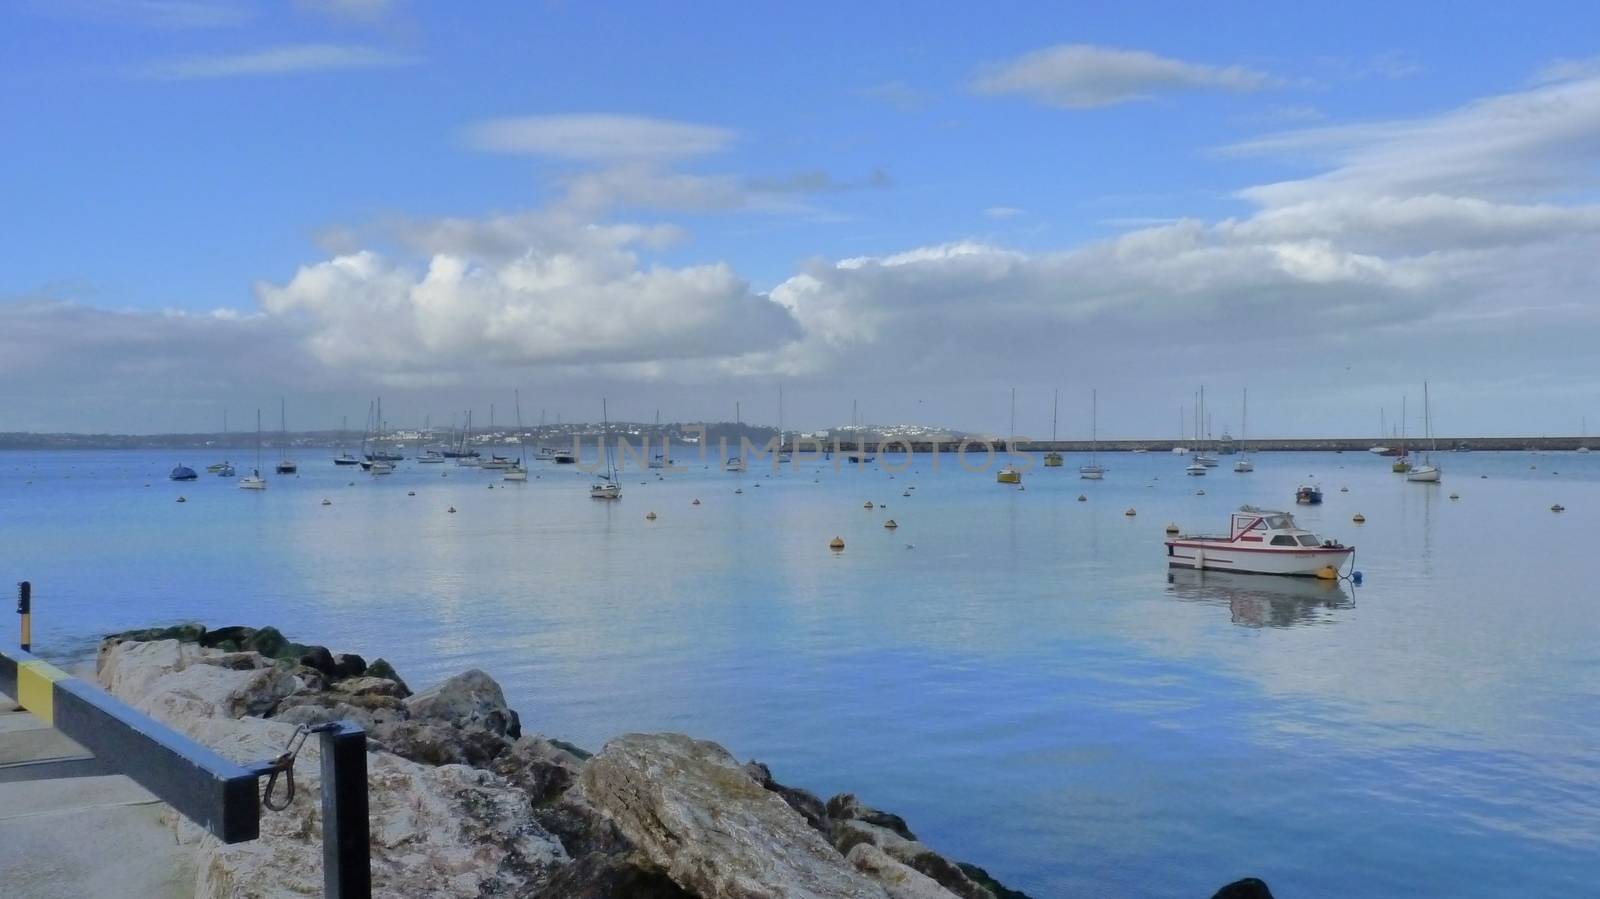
[(1279, 522), (1310, 540)]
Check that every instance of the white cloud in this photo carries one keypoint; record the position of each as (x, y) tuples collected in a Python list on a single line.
[(1084, 76), (1542, 141), (286, 60), (1001, 213), (585, 302), (593, 137)]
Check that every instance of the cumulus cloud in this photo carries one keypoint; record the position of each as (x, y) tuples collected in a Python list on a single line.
[(1084, 76), (593, 137), (584, 302), (286, 60)]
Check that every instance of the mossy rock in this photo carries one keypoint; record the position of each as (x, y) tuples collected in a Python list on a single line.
[(982, 878), (382, 668), (189, 632)]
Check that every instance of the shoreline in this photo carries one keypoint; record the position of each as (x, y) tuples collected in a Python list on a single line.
[(646, 816)]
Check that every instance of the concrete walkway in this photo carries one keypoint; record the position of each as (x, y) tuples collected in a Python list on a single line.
[(64, 837)]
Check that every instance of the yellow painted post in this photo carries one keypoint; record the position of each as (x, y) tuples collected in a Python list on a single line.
[(25, 609)]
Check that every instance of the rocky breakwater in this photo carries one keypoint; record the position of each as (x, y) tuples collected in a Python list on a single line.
[(463, 803)]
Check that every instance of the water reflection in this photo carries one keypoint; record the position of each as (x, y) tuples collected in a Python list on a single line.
[(1261, 600)]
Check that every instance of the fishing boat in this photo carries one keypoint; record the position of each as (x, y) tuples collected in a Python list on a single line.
[(606, 486), (1011, 474), (1244, 465), (564, 457), (1053, 459), (1308, 495), (518, 470), (183, 473), (285, 465), (1093, 471), (254, 480), (1427, 472), (1260, 541), (1195, 470)]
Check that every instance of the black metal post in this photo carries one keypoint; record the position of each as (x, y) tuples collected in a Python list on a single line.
[(25, 609), (346, 858)]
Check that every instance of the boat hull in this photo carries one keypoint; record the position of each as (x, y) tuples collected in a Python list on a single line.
[(1423, 475), (1223, 555)]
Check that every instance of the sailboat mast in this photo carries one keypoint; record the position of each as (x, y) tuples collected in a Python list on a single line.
[(1055, 408), (1013, 436)]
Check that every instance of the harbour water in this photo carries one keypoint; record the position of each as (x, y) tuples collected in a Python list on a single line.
[(1016, 672)]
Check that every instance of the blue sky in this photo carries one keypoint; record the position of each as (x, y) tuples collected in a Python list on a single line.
[(680, 206)]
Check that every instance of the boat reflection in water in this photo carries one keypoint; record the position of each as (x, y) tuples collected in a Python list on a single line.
[(1262, 600)]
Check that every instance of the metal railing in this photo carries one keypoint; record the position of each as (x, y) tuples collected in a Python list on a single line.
[(217, 794)]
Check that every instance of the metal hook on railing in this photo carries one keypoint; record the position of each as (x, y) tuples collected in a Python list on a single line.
[(284, 764)]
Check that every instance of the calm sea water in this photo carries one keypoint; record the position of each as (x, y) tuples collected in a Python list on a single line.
[(1014, 671)]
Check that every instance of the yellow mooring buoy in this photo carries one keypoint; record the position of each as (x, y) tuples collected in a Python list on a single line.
[(836, 544), (1172, 528), (1327, 573)]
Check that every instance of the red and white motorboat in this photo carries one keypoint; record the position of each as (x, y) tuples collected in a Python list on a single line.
[(1260, 541)]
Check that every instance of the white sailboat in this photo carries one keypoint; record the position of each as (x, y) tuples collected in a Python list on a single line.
[(1053, 459), (254, 480), (223, 468), (606, 486), (784, 456), (1427, 472), (663, 459), (1201, 432), (1011, 474), (1093, 471), (1583, 443), (518, 470), (1244, 464), (735, 463)]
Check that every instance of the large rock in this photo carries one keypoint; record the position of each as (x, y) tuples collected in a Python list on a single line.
[(382, 668), (846, 806), (806, 803), (898, 880), (1248, 888), (601, 876), (175, 677), (470, 699), (448, 831), (433, 743), (318, 708), (371, 686), (128, 668), (692, 810), (848, 834), (540, 767)]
